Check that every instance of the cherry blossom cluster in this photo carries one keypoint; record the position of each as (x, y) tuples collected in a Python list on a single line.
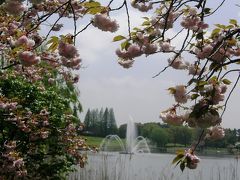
[(161, 22), (198, 115), (165, 46), (143, 41), (215, 133), (192, 21), (23, 38), (50, 6), (141, 45), (69, 55), (125, 63), (132, 51), (180, 64), (142, 6), (204, 121), (105, 23), (8, 106), (180, 94), (12, 161), (14, 7), (192, 159), (74, 143), (218, 55), (170, 117), (216, 92)]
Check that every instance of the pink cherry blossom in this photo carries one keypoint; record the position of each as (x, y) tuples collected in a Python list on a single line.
[(180, 94), (178, 63), (170, 117), (215, 133), (14, 7), (166, 47), (67, 50), (104, 23)]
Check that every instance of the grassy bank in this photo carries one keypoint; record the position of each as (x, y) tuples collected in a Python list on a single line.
[(93, 141), (170, 148)]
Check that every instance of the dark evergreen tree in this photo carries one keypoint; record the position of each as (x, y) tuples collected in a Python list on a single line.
[(87, 120), (112, 125), (104, 124)]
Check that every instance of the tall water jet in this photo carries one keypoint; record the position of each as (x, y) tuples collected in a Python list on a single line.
[(131, 136), (134, 143)]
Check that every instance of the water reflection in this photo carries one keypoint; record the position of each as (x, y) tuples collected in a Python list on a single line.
[(115, 166)]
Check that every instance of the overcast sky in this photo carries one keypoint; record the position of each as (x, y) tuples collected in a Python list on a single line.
[(133, 92)]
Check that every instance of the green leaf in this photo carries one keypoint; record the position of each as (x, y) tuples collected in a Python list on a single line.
[(216, 31), (202, 83), (182, 166), (214, 112), (199, 35), (214, 78), (221, 26), (229, 27), (232, 42), (95, 10), (226, 81), (192, 81), (146, 23), (54, 43), (172, 90), (118, 38), (207, 10), (233, 21), (177, 158), (93, 7), (125, 45), (194, 96), (212, 66), (146, 18), (91, 4), (136, 29)]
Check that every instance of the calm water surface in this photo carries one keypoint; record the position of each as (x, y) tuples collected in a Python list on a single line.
[(115, 166)]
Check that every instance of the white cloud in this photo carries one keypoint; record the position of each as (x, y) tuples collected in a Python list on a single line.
[(141, 98)]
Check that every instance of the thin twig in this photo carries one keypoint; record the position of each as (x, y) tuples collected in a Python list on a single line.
[(11, 65), (83, 29), (128, 19), (199, 140), (234, 86), (74, 22)]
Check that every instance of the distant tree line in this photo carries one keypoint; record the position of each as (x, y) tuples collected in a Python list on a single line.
[(100, 122), (163, 134)]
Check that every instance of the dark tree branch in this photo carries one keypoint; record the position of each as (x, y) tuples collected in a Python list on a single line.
[(128, 19), (199, 140), (75, 23), (83, 29)]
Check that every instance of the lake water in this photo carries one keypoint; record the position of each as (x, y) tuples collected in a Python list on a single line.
[(115, 166)]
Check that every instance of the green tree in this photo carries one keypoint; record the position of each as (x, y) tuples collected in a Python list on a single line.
[(38, 129), (122, 131), (112, 125), (180, 135), (104, 124), (231, 136), (159, 136), (147, 128), (87, 120)]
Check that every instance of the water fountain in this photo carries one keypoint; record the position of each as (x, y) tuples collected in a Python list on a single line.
[(134, 143)]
